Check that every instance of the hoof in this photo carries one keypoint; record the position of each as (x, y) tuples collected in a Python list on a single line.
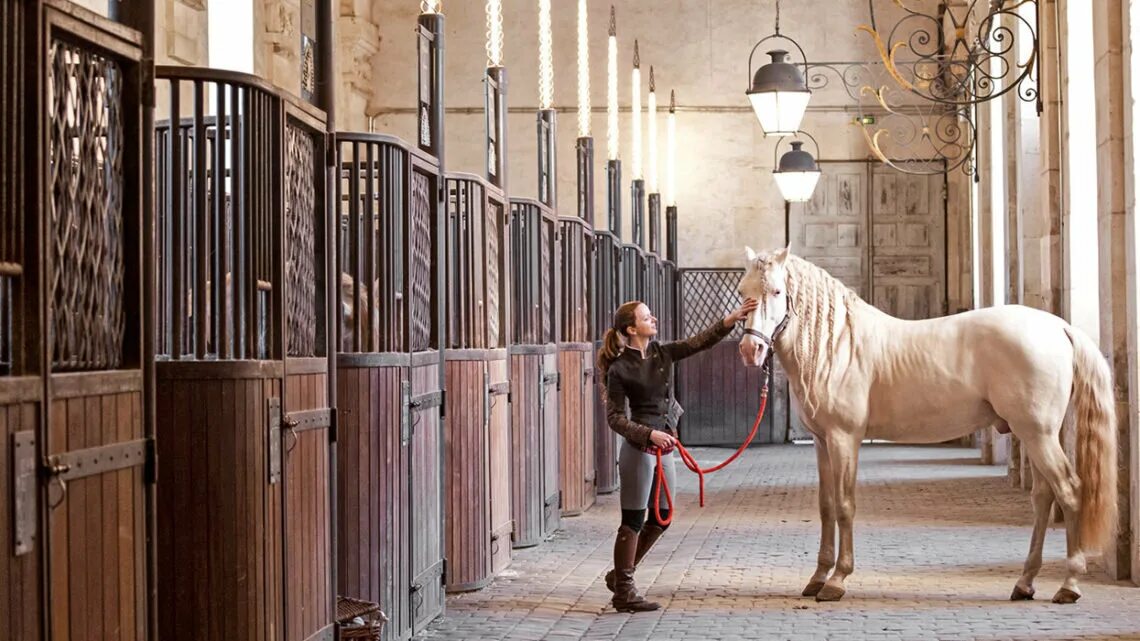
[(1022, 594), (813, 588), (830, 593), (1065, 595)]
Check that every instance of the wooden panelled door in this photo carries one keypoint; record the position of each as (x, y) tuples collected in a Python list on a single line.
[(880, 232)]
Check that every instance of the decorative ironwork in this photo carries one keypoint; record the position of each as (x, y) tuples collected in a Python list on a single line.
[(494, 230), (546, 258), (85, 102), (419, 281), (962, 57), (706, 296), (914, 137), (300, 242)]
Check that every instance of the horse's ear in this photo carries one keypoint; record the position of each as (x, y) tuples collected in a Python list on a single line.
[(782, 255), (749, 254)]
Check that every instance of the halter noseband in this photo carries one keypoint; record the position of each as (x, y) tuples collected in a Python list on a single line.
[(768, 341)]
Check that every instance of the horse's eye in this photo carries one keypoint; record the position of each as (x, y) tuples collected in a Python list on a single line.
[(776, 292)]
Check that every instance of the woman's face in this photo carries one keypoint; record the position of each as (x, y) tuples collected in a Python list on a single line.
[(646, 323)]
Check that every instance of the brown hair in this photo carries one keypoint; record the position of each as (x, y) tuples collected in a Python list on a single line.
[(613, 343)]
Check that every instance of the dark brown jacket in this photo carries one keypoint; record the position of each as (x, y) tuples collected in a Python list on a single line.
[(647, 383)]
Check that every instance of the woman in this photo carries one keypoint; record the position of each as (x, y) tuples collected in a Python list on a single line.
[(636, 368)]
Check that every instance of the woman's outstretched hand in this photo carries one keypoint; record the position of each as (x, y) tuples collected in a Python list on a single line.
[(742, 312)]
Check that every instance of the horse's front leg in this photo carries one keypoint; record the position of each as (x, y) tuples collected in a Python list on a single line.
[(843, 454), (826, 559)]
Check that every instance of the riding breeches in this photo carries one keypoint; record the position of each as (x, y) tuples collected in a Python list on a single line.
[(638, 473)]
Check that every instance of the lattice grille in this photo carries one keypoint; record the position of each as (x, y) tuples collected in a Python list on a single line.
[(708, 295), (494, 229), (87, 143), (547, 290), (420, 274), (300, 241)]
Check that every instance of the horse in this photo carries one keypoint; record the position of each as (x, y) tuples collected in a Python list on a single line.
[(855, 372)]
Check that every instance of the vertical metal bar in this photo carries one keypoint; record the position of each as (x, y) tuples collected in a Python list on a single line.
[(671, 232), (222, 286), (354, 256), (613, 197), (637, 211), (655, 223), (373, 293), (585, 156), (177, 216), (238, 209), (201, 247)]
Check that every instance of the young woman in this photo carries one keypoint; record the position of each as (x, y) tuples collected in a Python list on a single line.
[(638, 369)]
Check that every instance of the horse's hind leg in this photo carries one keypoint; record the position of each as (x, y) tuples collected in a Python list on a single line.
[(1042, 510), (826, 559), (843, 454), (1052, 466)]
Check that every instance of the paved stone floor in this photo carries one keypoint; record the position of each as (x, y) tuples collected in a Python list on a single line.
[(939, 543)]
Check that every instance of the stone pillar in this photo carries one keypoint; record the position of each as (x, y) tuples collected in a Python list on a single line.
[(277, 43), (1042, 264), (358, 41), (1117, 271), (181, 33), (1131, 79)]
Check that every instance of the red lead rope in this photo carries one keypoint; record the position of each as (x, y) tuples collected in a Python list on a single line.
[(691, 463)]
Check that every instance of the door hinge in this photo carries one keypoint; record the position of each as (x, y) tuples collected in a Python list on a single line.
[(443, 573), (333, 421), (24, 491), (273, 434), (442, 404), (150, 467)]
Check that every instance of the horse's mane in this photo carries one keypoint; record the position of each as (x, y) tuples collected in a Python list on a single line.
[(817, 298)]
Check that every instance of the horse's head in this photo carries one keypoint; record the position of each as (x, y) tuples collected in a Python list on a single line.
[(765, 279)]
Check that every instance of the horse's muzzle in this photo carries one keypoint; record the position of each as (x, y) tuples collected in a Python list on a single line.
[(752, 351)]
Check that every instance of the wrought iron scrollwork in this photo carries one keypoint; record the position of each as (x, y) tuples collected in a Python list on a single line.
[(963, 57)]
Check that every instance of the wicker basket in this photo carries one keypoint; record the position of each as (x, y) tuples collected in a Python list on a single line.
[(348, 609)]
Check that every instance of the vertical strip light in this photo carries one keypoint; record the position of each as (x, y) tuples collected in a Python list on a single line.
[(671, 152), (636, 108), (612, 92), (430, 6), (583, 72), (651, 181), (545, 57), (494, 33)]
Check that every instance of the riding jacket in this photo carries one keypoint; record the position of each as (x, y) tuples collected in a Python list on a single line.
[(646, 382)]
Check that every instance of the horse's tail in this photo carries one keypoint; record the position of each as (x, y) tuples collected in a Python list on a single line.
[(1095, 414)]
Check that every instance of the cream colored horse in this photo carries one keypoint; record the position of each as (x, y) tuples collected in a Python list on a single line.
[(856, 372)]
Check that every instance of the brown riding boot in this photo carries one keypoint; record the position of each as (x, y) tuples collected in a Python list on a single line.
[(645, 540), (626, 598)]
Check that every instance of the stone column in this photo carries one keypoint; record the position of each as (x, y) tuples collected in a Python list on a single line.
[(358, 41), (1117, 271), (1042, 262), (1132, 262)]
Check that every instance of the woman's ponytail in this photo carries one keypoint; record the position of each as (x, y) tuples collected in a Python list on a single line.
[(613, 343)]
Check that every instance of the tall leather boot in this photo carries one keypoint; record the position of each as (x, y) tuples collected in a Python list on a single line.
[(626, 598), (649, 534)]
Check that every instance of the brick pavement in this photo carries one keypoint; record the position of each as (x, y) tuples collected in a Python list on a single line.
[(939, 544)]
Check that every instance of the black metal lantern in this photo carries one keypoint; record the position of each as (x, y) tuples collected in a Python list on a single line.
[(797, 173), (778, 90)]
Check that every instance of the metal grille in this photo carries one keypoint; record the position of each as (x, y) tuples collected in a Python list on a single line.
[(706, 296), (300, 241), (420, 272), (494, 229), (87, 144), (13, 133), (546, 290)]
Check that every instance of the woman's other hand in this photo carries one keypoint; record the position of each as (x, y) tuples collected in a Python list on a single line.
[(661, 439), (740, 313)]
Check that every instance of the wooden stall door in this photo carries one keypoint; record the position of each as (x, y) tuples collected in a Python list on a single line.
[(587, 417), (425, 502), (96, 443), (549, 409), (499, 438)]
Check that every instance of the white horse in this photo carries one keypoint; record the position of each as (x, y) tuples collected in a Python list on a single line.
[(856, 372)]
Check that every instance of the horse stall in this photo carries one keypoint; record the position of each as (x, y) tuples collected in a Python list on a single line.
[(534, 372), (720, 395), (606, 290), (477, 428), (245, 506), (577, 475), (76, 428), (389, 400)]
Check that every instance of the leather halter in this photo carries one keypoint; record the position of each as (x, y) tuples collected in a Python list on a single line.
[(768, 341)]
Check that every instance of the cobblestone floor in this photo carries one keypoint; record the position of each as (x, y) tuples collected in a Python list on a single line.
[(939, 542)]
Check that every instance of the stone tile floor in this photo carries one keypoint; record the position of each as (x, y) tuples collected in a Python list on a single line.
[(939, 542)]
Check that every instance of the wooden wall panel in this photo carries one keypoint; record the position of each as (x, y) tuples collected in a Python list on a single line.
[(550, 446), (219, 518), (467, 470), (20, 575), (426, 503), (526, 450), (721, 397)]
